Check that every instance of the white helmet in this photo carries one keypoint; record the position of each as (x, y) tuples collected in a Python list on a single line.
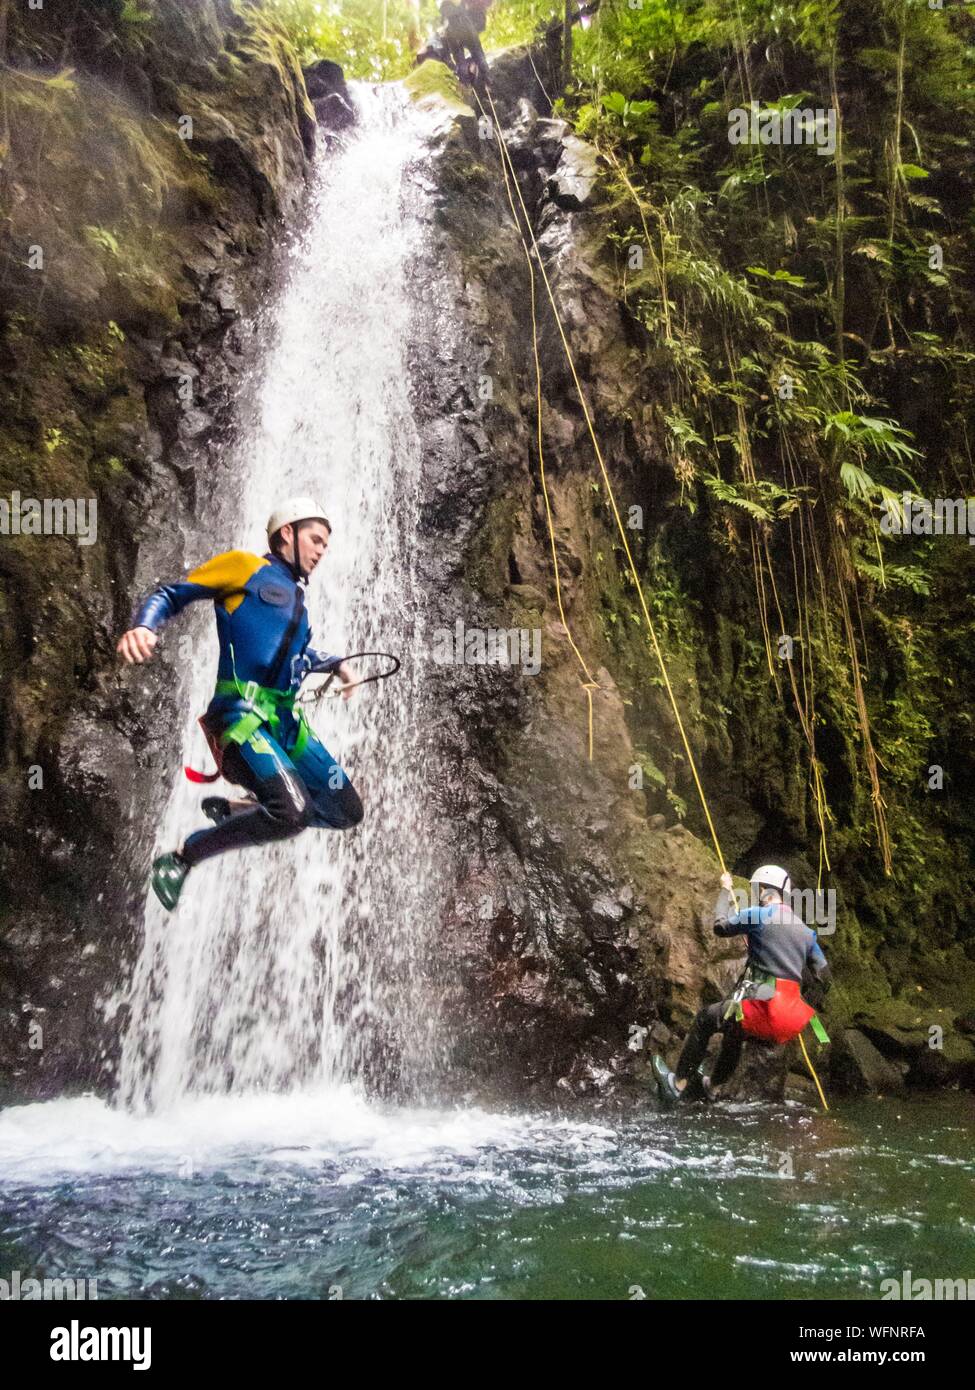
[(771, 876), (295, 509)]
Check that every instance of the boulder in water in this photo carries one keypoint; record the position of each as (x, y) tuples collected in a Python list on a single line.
[(858, 1066)]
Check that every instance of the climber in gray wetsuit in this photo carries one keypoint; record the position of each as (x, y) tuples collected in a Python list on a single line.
[(767, 1004)]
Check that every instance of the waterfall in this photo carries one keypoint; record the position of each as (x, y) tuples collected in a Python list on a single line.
[(302, 964)]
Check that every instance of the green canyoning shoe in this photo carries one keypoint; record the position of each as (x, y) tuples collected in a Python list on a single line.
[(168, 874), (666, 1084)]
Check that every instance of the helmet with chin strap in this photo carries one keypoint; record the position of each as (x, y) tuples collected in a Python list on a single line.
[(771, 876), (292, 512)]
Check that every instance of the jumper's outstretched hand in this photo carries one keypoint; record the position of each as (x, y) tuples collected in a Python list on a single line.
[(349, 683), (727, 882), (137, 645)]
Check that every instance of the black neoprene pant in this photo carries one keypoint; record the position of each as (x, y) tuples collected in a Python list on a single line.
[(709, 1021), (292, 793)]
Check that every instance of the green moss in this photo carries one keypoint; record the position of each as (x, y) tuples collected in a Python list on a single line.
[(486, 567), (434, 87), (110, 196)]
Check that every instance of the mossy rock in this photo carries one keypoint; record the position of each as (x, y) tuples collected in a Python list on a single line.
[(904, 1027), (433, 87)]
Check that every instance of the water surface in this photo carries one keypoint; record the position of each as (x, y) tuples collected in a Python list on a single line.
[(323, 1194)]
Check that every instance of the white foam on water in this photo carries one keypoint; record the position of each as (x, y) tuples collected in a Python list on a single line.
[(49, 1141)]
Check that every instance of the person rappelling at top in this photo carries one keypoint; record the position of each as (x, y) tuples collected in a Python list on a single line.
[(260, 741), (463, 25), (458, 42), (767, 1004)]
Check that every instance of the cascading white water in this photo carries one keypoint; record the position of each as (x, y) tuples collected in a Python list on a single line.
[(300, 963)]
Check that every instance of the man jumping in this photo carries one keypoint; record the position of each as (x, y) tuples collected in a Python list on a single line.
[(258, 738)]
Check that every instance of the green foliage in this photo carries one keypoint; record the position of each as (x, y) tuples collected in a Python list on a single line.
[(763, 499), (517, 21), (438, 82), (369, 38), (61, 82), (883, 438), (632, 115), (808, 330), (651, 772)]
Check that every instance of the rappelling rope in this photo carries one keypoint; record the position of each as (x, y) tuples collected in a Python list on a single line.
[(590, 683), (508, 165), (812, 1069)]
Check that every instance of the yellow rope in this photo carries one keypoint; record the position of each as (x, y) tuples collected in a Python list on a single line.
[(590, 683), (812, 1069), (609, 486)]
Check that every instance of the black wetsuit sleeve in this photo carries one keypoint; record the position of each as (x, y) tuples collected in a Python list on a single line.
[(818, 964), (817, 976)]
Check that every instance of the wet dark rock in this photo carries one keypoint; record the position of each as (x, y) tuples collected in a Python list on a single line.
[(924, 1041), (550, 134), (195, 424), (607, 910), (659, 1034), (800, 1087), (177, 366), (532, 75), (521, 137), (325, 80), (576, 176), (856, 1065), (98, 772), (334, 113)]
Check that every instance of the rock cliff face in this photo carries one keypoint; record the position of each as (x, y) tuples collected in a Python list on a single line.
[(580, 926), (580, 923), (149, 168)]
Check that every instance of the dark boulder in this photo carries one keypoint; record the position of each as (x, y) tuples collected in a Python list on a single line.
[(857, 1066), (334, 108)]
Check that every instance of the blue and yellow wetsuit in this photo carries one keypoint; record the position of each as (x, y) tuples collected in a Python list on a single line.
[(264, 636)]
